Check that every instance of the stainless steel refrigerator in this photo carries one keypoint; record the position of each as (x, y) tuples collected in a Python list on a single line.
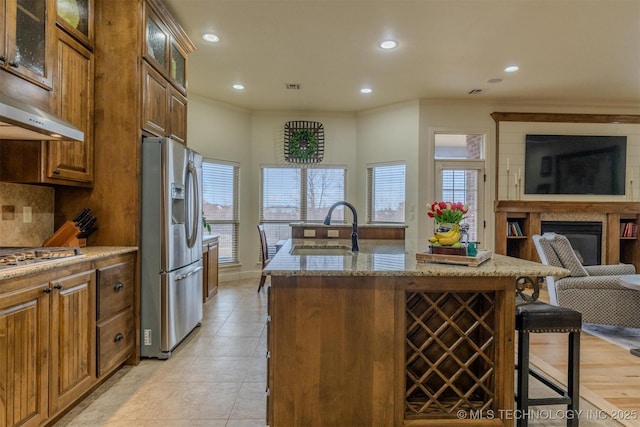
[(171, 248)]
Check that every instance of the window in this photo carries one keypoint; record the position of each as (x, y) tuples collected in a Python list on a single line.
[(386, 193), (299, 194), (220, 206), (460, 176)]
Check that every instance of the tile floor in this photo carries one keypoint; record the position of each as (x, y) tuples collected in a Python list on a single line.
[(215, 378)]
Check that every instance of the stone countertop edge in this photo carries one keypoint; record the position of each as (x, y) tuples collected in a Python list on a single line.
[(207, 237), (88, 253), (346, 225), (390, 258)]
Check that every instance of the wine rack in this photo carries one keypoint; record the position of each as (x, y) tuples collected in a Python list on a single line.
[(449, 353)]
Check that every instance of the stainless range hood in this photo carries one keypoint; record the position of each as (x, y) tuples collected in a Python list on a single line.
[(21, 121)]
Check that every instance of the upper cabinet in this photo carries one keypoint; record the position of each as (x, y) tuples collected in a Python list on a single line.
[(164, 73), (26, 45), (60, 162), (76, 18), (165, 47)]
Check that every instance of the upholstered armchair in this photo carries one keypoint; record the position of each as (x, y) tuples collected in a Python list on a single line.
[(592, 290)]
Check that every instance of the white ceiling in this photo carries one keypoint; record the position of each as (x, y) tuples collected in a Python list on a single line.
[(582, 51)]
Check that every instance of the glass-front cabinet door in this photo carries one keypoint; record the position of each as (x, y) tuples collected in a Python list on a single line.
[(75, 16), (163, 50), (156, 40), (28, 32), (178, 71)]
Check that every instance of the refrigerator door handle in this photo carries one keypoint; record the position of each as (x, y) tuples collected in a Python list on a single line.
[(188, 273), (192, 234)]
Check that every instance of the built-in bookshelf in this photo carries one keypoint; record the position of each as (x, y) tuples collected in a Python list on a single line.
[(517, 221), (628, 238)]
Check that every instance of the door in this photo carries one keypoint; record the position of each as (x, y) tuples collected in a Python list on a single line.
[(181, 198), (73, 338), (24, 338), (463, 181), (72, 160), (181, 302)]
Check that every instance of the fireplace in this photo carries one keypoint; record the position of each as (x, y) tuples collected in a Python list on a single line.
[(585, 237)]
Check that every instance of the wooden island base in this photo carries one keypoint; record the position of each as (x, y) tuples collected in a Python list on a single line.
[(390, 351)]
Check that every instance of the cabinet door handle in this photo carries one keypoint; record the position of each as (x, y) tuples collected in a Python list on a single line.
[(119, 337), (47, 290), (118, 287), (56, 172), (57, 286)]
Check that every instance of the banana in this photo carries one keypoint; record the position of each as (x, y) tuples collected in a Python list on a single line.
[(447, 241), (433, 239), (455, 229)]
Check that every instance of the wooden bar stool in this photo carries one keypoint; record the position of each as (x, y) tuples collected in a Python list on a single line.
[(538, 317)]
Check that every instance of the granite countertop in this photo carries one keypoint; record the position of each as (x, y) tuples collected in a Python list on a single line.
[(88, 253), (208, 237), (349, 225), (390, 258)]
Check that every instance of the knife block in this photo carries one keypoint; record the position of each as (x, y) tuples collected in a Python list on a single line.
[(67, 235)]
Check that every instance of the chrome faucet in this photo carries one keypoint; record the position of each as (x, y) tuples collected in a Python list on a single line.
[(354, 231)]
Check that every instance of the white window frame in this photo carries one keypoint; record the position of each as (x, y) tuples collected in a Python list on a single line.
[(371, 191)]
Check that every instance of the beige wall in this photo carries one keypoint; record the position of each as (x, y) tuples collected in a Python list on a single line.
[(403, 131)]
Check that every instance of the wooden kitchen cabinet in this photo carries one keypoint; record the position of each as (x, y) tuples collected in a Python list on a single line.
[(164, 74), (60, 162), (27, 43), (47, 346), (164, 108), (71, 160), (73, 338), (115, 324), (24, 342), (76, 18), (210, 250), (163, 48)]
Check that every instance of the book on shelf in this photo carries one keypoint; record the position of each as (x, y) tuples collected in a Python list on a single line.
[(629, 229), (513, 229)]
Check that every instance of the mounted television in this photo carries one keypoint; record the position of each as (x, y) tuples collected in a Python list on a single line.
[(575, 164)]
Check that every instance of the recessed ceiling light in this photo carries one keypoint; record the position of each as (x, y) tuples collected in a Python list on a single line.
[(238, 86), (365, 90), (512, 69), (389, 44), (210, 37)]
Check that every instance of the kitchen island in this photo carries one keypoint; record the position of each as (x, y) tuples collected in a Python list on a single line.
[(375, 338)]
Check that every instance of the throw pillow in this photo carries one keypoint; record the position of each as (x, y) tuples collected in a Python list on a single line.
[(567, 256)]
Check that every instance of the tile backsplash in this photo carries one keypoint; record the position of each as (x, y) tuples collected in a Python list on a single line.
[(14, 198)]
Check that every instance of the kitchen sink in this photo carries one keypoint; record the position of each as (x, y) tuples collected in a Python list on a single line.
[(321, 250)]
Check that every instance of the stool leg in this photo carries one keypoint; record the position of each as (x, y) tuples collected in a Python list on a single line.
[(522, 401), (573, 379)]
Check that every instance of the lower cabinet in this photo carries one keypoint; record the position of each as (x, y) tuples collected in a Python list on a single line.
[(47, 347), (73, 338), (61, 332), (210, 262), (24, 342), (115, 327)]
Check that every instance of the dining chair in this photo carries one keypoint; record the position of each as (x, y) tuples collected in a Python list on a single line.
[(264, 252)]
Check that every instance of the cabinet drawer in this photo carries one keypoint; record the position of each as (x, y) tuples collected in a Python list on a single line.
[(115, 341), (115, 288)]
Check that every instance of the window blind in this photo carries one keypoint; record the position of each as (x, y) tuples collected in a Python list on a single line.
[(220, 206)]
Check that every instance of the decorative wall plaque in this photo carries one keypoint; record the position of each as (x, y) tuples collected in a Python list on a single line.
[(303, 142)]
